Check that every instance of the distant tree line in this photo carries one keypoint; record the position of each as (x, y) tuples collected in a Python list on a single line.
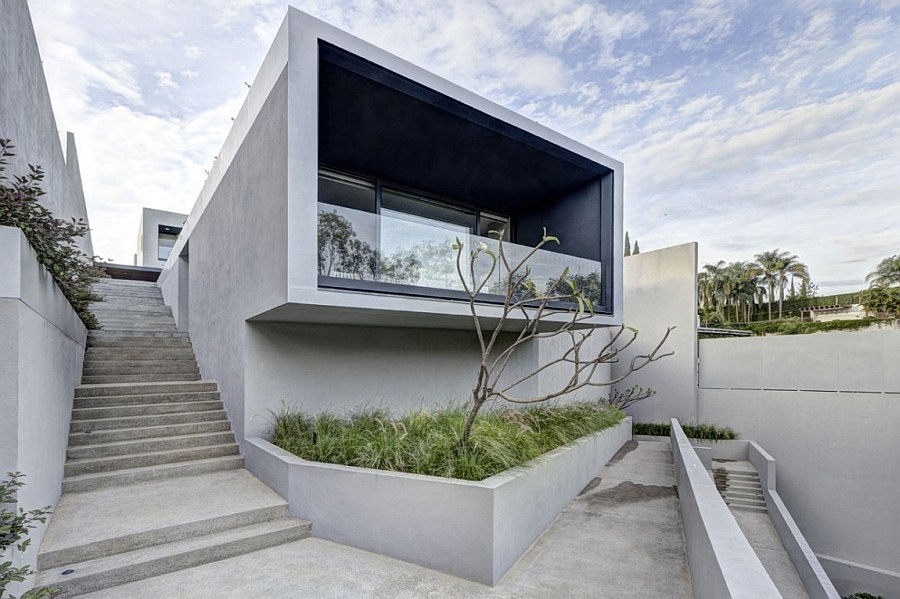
[(733, 292)]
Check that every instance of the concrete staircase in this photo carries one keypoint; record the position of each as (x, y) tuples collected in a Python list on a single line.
[(739, 485), (154, 481)]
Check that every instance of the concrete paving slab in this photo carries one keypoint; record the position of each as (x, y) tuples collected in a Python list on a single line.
[(764, 539), (612, 541), (112, 512)]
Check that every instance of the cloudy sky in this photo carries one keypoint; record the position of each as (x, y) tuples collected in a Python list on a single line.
[(743, 125)]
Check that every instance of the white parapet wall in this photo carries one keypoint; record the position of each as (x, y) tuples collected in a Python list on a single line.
[(722, 562), (42, 344), (826, 406), (476, 530)]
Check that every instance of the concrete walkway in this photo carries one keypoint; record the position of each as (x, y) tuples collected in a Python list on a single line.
[(759, 530), (620, 538)]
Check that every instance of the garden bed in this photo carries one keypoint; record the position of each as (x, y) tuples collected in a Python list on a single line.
[(473, 529)]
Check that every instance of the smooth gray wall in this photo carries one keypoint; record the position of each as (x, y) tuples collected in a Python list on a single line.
[(660, 290), (237, 254), (41, 357), (26, 117), (827, 407), (148, 234), (342, 368)]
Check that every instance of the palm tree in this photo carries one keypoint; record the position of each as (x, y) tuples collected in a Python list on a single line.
[(789, 264), (886, 274), (768, 265), (708, 281)]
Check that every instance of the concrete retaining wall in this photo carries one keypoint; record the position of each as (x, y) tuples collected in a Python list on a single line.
[(809, 400), (26, 117), (722, 562), (476, 530), (42, 344)]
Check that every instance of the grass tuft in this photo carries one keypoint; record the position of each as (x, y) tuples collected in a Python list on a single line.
[(693, 431), (423, 442)]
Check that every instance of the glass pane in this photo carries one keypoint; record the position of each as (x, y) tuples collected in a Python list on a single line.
[(413, 250), (417, 209), (491, 222), (165, 245), (338, 189)]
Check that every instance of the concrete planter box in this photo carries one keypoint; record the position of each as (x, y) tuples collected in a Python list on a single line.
[(476, 530)]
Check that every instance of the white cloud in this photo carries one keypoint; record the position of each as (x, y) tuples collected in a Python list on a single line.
[(165, 81)]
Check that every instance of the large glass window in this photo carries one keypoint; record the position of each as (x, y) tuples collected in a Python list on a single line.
[(369, 232), (165, 246)]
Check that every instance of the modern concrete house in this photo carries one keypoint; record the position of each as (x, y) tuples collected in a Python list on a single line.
[(157, 234), (339, 140)]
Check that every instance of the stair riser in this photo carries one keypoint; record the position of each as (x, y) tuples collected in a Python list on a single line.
[(166, 471), (181, 561), (152, 459), (144, 410), (131, 400), (144, 389), (117, 368), (161, 432), (137, 378), (97, 356), (87, 426), (115, 336), (148, 445), (72, 555), (135, 345)]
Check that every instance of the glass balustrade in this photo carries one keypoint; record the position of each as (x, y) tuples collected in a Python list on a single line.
[(403, 249)]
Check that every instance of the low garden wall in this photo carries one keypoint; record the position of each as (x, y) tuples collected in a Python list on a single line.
[(476, 530)]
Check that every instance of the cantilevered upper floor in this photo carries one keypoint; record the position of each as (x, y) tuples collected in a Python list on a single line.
[(349, 174)]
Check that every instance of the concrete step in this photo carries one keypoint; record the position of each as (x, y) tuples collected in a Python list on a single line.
[(124, 336), (118, 448), (87, 482), (107, 424), (137, 378), (148, 432), (138, 323), (139, 366), (743, 486), (105, 354), (743, 494), (131, 308), (133, 327), (144, 409), (744, 502), (750, 508), (116, 389), (153, 458), (139, 344), (160, 536), (154, 398), (143, 563), (125, 302)]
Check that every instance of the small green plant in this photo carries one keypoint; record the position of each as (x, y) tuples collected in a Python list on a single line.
[(710, 432), (55, 241), (14, 527), (862, 596), (882, 301), (422, 442)]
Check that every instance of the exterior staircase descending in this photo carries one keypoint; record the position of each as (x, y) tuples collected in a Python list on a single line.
[(739, 485), (154, 481)]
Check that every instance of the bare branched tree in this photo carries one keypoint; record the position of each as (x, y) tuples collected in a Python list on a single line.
[(521, 297)]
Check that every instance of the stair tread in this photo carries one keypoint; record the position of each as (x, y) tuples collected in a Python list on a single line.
[(111, 512), (133, 559), (110, 473), (147, 405), (132, 442), (162, 452)]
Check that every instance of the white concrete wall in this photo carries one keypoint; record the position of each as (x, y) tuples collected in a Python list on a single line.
[(148, 234), (660, 290), (26, 117), (41, 357), (238, 258), (826, 406)]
